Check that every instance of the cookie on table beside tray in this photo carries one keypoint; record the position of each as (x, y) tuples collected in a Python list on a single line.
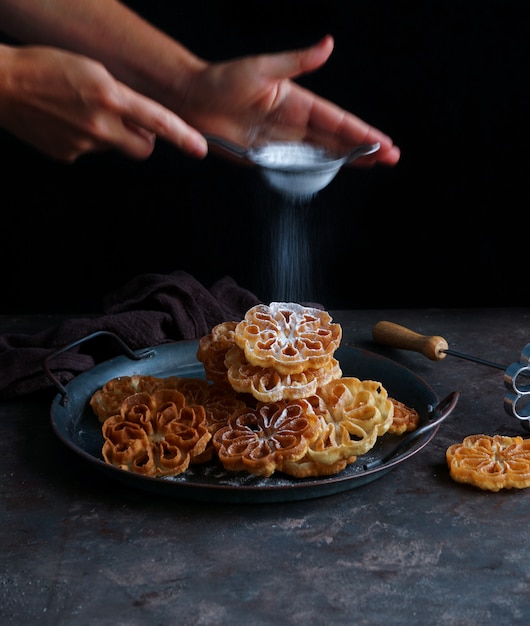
[(491, 463)]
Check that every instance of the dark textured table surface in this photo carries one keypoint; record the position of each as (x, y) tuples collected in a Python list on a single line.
[(412, 547)]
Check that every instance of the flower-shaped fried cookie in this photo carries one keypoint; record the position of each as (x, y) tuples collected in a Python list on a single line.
[(107, 400), (359, 410), (330, 452), (405, 418), (260, 440), (491, 463), (325, 456), (219, 402), (288, 337), (155, 434), (213, 348), (218, 399), (267, 384), (194, 390)]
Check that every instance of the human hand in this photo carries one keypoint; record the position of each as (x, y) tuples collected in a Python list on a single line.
[(67, 105), (254, 99)]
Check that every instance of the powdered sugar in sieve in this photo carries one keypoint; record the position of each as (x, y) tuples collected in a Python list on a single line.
[(296, 169)]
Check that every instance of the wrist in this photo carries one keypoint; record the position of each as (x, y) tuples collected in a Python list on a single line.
[(176, 70)]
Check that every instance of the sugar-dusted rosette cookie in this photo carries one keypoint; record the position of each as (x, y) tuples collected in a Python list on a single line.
[(287, 337), (491, 463), (155, 434), (267, 384), (261, 440)]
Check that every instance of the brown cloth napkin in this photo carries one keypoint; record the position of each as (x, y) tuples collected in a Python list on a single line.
[(149, 310)]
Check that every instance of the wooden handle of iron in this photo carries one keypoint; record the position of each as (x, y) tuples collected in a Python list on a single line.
[(396, 336)]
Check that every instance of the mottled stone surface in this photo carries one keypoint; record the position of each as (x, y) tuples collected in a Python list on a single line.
[(412, 547)]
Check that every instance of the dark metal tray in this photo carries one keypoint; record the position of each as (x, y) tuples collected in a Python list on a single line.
[(75, 424)]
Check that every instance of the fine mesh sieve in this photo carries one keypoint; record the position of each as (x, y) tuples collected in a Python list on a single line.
[(295, 168)]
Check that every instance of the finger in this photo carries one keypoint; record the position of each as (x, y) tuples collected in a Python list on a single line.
[(292, 64), (137, 142), (145, 119), (328, 123)]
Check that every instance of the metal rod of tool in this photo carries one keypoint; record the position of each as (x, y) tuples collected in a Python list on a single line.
[(431, 346), (476, 359)]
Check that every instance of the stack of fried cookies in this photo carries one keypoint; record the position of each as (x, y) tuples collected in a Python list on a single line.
[(274, 400)]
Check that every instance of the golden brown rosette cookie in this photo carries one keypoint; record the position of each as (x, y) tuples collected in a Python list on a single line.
[(213, 348), (155, 434), (107, 400), (219, 402), (491, 463), (405, 418), (359, 410), (261, 440), (327, 455)]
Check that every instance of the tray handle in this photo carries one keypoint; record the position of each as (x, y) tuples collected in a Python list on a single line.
[(436, 417), (136, 356)]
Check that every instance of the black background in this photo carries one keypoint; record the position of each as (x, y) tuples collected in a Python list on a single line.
[(448, 80)]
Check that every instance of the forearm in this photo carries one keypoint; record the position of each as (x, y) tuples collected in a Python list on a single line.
[(7, 83), (135, 51)]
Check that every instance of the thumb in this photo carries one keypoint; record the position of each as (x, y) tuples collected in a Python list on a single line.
[(297, 62)]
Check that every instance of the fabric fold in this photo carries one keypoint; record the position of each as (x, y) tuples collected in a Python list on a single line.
[(149, 310)]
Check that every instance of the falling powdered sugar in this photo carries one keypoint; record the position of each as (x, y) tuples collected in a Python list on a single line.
[(291, 258)]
